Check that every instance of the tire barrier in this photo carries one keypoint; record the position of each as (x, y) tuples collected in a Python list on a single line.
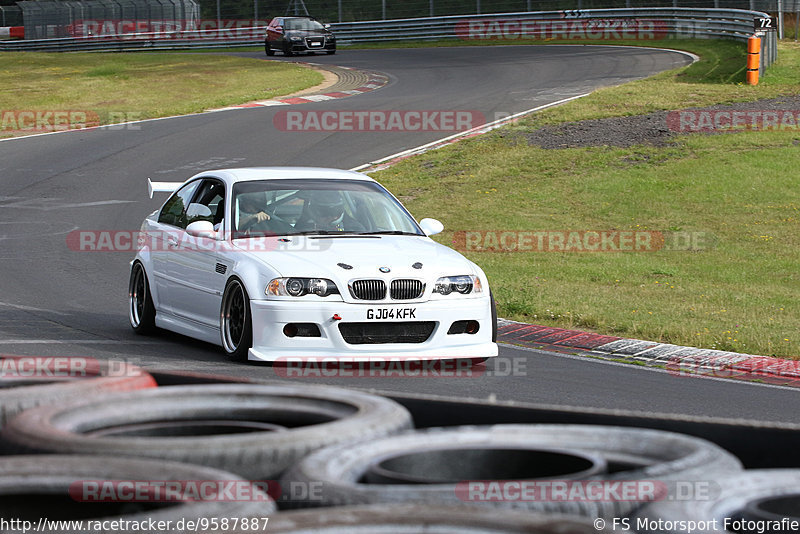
[(65, 487), (356, 451), (412, 519), (761, 500), (29, 381), (256, 431), (449, 466)]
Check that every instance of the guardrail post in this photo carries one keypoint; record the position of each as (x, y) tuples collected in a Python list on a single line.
[(753, 59)]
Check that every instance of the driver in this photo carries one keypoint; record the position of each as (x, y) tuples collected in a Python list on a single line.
[(251, 210), (325, 211)]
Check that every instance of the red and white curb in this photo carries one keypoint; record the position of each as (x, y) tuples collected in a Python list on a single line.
[(375, 81), (683, 361)]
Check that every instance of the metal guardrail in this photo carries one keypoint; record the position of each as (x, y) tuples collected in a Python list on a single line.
[(635, 23)]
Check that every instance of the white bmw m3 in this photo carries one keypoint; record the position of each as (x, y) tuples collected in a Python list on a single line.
[(281, 262)]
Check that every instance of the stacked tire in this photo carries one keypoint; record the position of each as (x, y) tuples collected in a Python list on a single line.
[(353, 451), (30, 381)]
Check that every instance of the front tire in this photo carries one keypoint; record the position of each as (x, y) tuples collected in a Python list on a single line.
[(287, 49), (141, 310), (236, 322), (331, 52), (268, 49)]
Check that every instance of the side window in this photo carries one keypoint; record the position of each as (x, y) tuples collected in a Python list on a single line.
[(174, 211), (208, 204)]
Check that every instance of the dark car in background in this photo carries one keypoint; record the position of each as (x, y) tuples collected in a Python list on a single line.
[(298, 34)]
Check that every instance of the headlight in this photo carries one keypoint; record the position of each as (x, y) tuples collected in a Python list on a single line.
[(297, 287), (464, 284), (295, 38)]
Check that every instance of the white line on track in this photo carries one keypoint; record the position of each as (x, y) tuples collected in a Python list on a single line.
[(473, 131)]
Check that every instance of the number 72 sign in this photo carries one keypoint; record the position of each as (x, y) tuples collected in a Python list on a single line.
[(765, 24)]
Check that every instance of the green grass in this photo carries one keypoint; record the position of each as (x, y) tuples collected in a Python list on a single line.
[(739, 191), (114, 87)]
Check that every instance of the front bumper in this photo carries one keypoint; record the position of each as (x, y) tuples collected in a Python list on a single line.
[(305, 45), (270, 342)]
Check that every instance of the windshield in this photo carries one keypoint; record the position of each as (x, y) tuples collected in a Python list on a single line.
[(302, 24), (317, 207)]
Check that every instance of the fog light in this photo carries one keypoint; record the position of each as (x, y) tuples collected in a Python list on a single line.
[(464, 327), (290, 330), (301, 330)]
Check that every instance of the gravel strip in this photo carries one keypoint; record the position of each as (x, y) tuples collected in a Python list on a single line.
[(651, 129)]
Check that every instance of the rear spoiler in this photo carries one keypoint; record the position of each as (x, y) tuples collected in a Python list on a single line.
[(161, 187)]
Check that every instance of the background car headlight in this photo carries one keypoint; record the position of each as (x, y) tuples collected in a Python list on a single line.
[(464, 285), (297, 287)]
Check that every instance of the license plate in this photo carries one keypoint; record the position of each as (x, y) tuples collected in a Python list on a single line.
[(391, 314), (316, 44)]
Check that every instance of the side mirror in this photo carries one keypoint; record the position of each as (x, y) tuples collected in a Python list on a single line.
[(195, 210), (202, 229), (326, 26), (431, 226)]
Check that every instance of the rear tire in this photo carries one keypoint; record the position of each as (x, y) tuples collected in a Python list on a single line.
[(141, 310), (236, 322)]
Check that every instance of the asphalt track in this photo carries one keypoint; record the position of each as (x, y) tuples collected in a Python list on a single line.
[(57, 301)]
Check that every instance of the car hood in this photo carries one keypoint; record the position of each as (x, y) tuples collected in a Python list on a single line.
[(324, 257)]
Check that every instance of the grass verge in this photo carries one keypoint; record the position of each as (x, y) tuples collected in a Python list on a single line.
[(738, 291), (111, 88)]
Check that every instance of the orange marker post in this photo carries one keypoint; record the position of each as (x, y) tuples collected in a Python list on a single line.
[(753, 59)]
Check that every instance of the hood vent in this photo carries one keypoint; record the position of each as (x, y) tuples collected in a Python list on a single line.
[(221, 268)]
